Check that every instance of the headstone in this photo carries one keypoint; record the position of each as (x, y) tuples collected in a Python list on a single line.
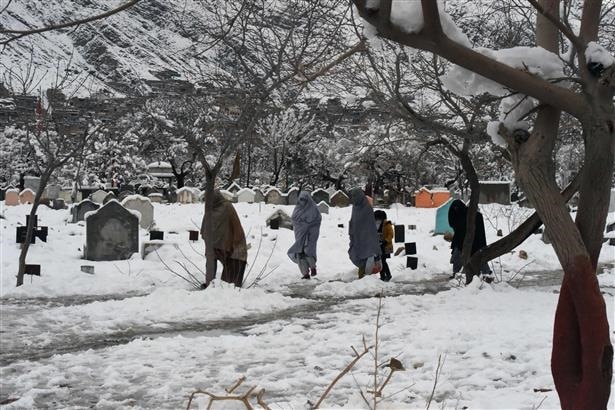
[(274, 197), (185, 195), (412, 262), (246, 195), (109, 197), (11, 197), (410, 248), (412, 227), (66, 195), (340, 225), (89, 269), (282, 220), (292, 196), (79, 210), (193, 235), (323, 208), (112, 233), (400, 233), (442, 225), (258, 196), (143, 206), (320, 195), (156, 235), (497, 192), (124, 194), (34, 270), (53, 191), (58, 204), (98, 196), (26, 196), (610, 227), (20, 235), (340, 199), (155, 198), (32, 183), (228, 195), (234, 188)]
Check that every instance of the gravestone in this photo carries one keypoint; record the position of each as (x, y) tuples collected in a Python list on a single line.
[(26, 196), (53, 191), (185, 195), (32, 183), (280, 219), (65, 194), (228, 195), (110, 196), (320, 195), (34, 270), (79, 210), (112, 233), (11, 197), (98, 196), (497, 192), (410, 248), (274, 197), (323, 207), (292, 196), (156, 235), (58, 204), (143, 206), (155, 197), (400, 233), (412, 262), (340, 199), (234, 188), (246, 195), (193, 235), (124, 194), (258, 196), (442, 225)]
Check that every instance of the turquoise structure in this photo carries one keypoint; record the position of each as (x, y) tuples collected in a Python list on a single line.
[(442, 225)]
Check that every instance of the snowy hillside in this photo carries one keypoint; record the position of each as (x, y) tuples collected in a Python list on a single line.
[(153, 36)]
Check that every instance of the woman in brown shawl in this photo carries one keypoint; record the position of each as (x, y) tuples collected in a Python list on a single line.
[(229, 240)]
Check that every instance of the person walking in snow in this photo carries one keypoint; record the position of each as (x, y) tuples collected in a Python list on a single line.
[(457, 217), (364, 248), (385, 237), (306, 226), (229, 240)]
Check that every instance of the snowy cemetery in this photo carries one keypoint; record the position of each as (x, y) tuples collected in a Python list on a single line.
[(307, 204)]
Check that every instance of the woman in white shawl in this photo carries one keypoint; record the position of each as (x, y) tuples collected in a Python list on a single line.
[(306, 225)]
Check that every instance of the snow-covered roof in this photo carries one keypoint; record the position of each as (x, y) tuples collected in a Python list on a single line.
[(159, 164)]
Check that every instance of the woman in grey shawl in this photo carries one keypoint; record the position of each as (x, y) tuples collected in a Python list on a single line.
[(364, 244), (306, 225)]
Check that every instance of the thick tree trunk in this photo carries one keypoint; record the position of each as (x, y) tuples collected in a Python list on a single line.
[(468, 241), (210, 256), (30, 229)]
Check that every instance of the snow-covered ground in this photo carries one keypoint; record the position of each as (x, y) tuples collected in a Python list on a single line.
[(135, 335)]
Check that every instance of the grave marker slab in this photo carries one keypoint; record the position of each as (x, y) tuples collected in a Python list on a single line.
[(292, 196), (112, 233), (53, 191), (156, 235), (400, 233), (275, 197), (340, 199), (323, 208), (185, 195), (79, 210), (280, 218), (34, 270), (26, 196), (11, 197), (20, 235), (98, 196), (144, 206), (412, 262), (320, 195), (155, 198), (32, 183), (246, 195), (410, 248), (193, 235)]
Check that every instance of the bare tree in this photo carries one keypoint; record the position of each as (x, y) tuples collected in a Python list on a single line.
[(582, 352)]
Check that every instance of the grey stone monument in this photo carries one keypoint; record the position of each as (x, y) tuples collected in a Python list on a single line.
[(340, 199), (143, 206), (79, 210), (98, 196), (320, 195), (258, 196), (112, 233), (323, 207), (275, 197), (109, 197), (292, 196)]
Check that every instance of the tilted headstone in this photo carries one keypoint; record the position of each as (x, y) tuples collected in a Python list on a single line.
[(79, 210), (275, 197), (246, 195), (26, 196), (280, 219), (11, 197), (185, 195), (155, 197), (258, 196), (143, 206), (234, 188), (31, 182), (497, 192), (98, 196), (53, 191), (58, 204), (112, 233), (109, 197), (340, 199), (323, 208), (292, 196), (320, 195)]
